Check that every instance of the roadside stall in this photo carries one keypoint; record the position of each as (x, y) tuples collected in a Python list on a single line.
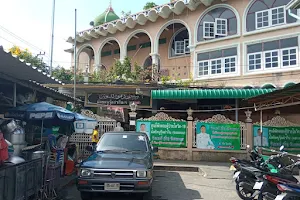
[(39, 135)]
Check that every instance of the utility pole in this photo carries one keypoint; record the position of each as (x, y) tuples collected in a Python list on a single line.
[(52, 37), (75, 55), (41, 54)]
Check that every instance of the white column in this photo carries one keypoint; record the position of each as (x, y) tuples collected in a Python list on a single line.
[(193, 61), (123, 53), (155, 60)]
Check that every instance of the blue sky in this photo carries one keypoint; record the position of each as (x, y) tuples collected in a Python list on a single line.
[(31, 20)]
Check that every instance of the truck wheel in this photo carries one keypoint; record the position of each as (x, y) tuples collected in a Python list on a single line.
[(148, 195), (86, 195)]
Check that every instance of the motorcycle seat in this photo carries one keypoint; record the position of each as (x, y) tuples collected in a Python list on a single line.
[(251, 169)]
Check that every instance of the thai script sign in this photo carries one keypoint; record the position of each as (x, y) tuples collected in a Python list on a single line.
[(276, 136), (118, 99), (170, 134), (218, 136)]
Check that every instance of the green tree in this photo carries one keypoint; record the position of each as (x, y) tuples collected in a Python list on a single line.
[(62, 74), (149, 5), (27, 56)]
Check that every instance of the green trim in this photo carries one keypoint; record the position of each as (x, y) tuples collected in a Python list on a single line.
[(131, 48), (208, 93), (117, 51), (106, 53), (268, 86), (289, 84), (145, 45), (163, 41)]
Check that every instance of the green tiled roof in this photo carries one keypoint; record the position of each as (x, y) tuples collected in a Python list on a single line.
[(208, 93)]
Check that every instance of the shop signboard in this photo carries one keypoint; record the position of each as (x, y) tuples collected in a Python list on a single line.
[(171, 134), (111, 99), (276, 136), (218, 136)]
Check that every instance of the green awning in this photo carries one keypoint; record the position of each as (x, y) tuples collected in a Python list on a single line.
[(208, 93)]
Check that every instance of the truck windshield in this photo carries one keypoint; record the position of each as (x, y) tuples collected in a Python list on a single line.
[(123, 142)]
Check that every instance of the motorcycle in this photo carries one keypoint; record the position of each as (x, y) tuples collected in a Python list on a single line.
[(250, 178), (290, 191), (268, 187)]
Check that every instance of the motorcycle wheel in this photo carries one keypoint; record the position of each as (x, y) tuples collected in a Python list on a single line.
[(243, 193)]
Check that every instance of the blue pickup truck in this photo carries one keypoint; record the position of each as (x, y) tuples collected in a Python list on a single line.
[(122, 162)]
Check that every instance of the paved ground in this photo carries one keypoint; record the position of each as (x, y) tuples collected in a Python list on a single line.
[(214, 181)]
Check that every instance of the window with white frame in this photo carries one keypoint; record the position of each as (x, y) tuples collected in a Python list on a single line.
[(180, 43), (214, 29), (221, 27), (277, 54), (270, 17), (215, 63), (263, 14), (179, 47), (220, 22)]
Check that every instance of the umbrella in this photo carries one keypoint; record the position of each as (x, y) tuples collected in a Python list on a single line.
[(40, 111), (43, 112)]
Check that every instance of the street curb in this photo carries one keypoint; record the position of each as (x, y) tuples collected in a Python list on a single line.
[(179, 168)]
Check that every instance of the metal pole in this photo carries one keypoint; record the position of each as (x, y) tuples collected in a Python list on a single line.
[(75, 54), (52, 38), (261, 128), (15, 95), (236, 110)]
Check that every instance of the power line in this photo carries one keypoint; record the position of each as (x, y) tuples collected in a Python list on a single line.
[(21, 39), (25, 42), (39, 52)]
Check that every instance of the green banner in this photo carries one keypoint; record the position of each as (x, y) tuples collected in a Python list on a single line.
[(218, 136), (276, 136), (170, 134)]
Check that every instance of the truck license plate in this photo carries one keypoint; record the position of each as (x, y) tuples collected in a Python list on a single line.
[(112, 186)]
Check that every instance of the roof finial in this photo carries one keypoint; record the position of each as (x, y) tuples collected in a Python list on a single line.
[(110, 6)]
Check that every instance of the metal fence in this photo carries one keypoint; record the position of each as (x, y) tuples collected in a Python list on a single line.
[(82, 140)]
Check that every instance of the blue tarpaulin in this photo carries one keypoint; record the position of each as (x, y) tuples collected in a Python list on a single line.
[(80, 117)]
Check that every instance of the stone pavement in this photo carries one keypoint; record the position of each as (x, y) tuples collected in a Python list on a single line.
[(211, 181)]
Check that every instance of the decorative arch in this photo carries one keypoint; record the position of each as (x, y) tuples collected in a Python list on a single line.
[(289, 84), (148, 62), (172, 40), (133, 34), (98, 58), (173, 21), (83, 47), (260, 5), (268, 86), (226, 7)]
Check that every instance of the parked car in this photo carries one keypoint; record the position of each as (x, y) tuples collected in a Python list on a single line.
[(122, 162)]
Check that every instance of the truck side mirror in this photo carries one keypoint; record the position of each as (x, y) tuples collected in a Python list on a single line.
[(89, 148), (154, 149)]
